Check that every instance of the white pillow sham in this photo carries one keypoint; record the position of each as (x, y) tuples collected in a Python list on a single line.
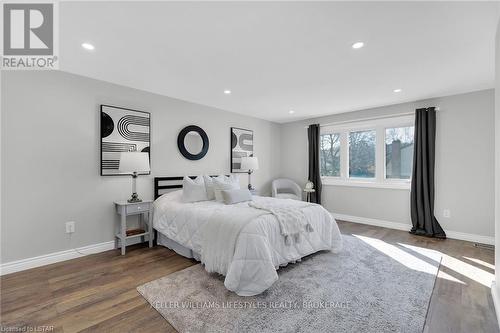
[(209, 186), (193, 190), (235, 196), (222, 183)]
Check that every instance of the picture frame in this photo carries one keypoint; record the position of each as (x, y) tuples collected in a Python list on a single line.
[(242, 145), (122, 130)]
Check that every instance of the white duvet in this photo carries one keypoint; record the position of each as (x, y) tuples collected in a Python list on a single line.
[(259, 248)]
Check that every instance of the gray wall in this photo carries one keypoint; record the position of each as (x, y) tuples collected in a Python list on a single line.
[(497, 171), (464, 165), (50, 157)]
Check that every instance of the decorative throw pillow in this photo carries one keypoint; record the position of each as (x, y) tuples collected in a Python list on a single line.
[(193, 190), (234, 196), (225, 183)]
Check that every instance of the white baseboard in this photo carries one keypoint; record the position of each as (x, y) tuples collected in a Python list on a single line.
[(375, 222), (470, 237), (51, 258), (406, 227), (496, 301)]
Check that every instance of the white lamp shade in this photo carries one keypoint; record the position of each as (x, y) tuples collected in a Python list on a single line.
[(134, 162), (249, 163)]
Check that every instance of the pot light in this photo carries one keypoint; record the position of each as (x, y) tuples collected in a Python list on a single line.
[(88, 46), (398, 90), (358, 45), (227, 92), (291, 112)]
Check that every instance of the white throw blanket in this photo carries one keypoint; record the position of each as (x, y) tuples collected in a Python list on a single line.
[(290, 217), (220, 234)]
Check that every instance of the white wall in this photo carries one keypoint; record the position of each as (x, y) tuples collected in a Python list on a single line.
[(464, 165), (50, 156)]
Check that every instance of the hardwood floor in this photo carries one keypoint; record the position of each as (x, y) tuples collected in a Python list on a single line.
[(97, 293), (459, 302)]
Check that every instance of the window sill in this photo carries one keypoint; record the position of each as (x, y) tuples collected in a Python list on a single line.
[(366, 184)]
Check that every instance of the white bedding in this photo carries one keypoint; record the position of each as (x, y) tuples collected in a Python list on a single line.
[(259, 249)]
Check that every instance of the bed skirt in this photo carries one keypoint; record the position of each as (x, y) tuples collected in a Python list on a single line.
[(178, 248)]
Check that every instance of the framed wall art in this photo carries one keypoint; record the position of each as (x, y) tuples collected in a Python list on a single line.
[(122, 130), (241, 146)]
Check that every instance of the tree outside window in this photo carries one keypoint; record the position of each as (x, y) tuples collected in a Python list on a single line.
[(362, 154), (399, 152), (329, 157)]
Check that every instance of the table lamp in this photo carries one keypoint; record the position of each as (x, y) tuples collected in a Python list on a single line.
[(251, 164), (134, 163)]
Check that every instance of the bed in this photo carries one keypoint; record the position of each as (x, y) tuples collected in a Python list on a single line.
[(248, 257)]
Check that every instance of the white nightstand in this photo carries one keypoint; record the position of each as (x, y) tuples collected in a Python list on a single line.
[(124, 209), (254, 191)]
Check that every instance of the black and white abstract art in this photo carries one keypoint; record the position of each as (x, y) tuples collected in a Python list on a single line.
[(241, 146), (122, 130)]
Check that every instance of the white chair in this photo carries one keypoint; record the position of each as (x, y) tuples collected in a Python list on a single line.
[(286, 189)]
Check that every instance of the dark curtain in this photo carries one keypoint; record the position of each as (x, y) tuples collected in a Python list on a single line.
[(314, 173), (422, 182)]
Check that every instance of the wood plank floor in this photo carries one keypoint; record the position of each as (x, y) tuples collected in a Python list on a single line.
[(97, 293)]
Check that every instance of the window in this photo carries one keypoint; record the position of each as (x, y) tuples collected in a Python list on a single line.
[(398, 152), (371, 153), (329, 156), (362, 154)]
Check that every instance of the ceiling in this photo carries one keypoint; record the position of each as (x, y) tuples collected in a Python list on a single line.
[(282, 56)]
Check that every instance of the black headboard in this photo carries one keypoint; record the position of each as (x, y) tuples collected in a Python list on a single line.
[(169, 183)]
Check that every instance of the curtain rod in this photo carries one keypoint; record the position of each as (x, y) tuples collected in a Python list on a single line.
[(369, 118)]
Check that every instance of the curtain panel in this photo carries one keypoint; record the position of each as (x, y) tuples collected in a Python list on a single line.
[(422, 182), (314, 172)]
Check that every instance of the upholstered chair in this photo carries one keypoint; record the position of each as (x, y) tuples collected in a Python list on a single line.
[(286, 189)]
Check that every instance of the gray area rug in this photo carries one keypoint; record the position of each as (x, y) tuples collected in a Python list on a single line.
[(371, 286)]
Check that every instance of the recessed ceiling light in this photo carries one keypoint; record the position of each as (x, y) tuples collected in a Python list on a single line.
[(398, 90), (291, 112), (358, 45), (227, 92), (88, 46)]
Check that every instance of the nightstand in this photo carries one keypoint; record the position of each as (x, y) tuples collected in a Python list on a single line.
[(254, 192), (124, 209)]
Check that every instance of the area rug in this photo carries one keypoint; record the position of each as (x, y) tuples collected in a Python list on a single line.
[(371, 286)]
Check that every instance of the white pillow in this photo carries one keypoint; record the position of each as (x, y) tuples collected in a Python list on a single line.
[(222, 183), (193, 190), (235, 196), (209, 187)]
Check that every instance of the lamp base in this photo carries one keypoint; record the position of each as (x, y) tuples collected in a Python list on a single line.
[(250, 187), (134, 198)]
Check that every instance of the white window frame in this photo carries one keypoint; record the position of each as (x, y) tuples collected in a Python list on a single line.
[(380, 126)]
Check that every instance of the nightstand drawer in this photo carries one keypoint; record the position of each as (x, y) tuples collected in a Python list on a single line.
[(137, 208)]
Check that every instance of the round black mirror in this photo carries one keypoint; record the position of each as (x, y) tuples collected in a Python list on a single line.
[(193, 142)]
